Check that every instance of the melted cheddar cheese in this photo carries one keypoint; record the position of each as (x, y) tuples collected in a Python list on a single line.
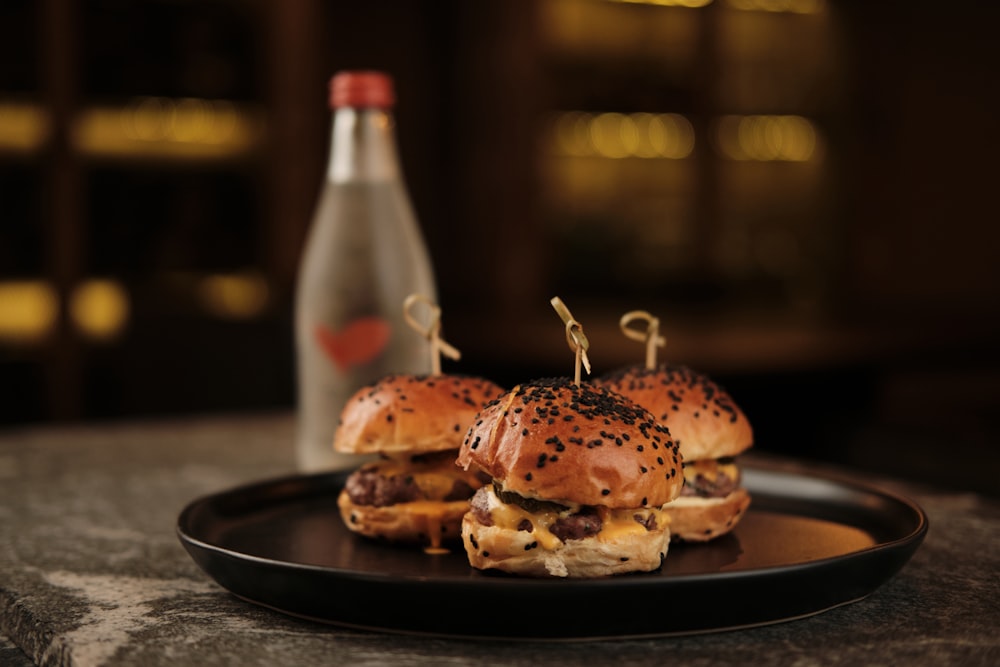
[(615, 524), (710, 469), (435, 477)]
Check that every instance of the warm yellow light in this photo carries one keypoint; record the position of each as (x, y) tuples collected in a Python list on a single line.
[(669, 3), (616, 135), (766, 138), (647, 127), (790, 6), (99, 308), (28, 310), (678, 136), (163, 127), (23, 127), (610, 134), (234, 295)]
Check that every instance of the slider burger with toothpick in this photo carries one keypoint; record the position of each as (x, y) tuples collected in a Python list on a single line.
[(579, 475), (708, 426), (414, 493)]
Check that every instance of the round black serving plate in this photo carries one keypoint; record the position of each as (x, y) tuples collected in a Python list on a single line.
[(806, 545)]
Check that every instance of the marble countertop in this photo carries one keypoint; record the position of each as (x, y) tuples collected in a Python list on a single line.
[(92, 572)]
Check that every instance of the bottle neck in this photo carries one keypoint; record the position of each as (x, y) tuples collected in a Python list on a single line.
[(363, 146)]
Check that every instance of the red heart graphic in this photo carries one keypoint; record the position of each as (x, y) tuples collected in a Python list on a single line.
[(357, 343)]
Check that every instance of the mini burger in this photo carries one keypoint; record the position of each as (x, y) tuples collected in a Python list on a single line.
[(579, 475), (414, 493), (711, 431)]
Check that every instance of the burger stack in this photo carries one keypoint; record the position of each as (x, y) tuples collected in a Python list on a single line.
[(554, 478), (711, 431), (579, 476), (414, 493)]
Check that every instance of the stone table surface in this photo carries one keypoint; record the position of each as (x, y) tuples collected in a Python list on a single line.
[(92, 572)]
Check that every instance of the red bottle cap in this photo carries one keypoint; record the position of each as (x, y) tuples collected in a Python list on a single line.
[(366, 89)]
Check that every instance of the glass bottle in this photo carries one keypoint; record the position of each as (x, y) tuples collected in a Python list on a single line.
[(364, 255)]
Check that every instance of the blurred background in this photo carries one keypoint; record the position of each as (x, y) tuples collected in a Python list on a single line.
[(803, 191)]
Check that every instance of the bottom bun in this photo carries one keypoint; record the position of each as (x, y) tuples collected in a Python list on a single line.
[(515, 551), (428, 522), (703, 519)]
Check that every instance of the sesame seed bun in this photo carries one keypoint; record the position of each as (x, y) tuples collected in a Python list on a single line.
[(703, 419), (414, 493), (707, 425), (694, 519), (424, 523), (580, 444), (412, 414), (499, 547)]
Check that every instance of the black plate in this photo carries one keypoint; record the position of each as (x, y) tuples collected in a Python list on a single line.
[(807, 544)]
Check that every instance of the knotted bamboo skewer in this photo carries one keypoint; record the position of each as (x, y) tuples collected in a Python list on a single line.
[(575, 337), (432, 332), (651, 336)]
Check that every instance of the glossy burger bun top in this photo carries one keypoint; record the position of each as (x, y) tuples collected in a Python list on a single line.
[(553, 440), (412, 413), (702, 417)]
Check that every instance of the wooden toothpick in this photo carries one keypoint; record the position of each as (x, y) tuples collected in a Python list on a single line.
[(651, 336), (575, 337), (432, 332)]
